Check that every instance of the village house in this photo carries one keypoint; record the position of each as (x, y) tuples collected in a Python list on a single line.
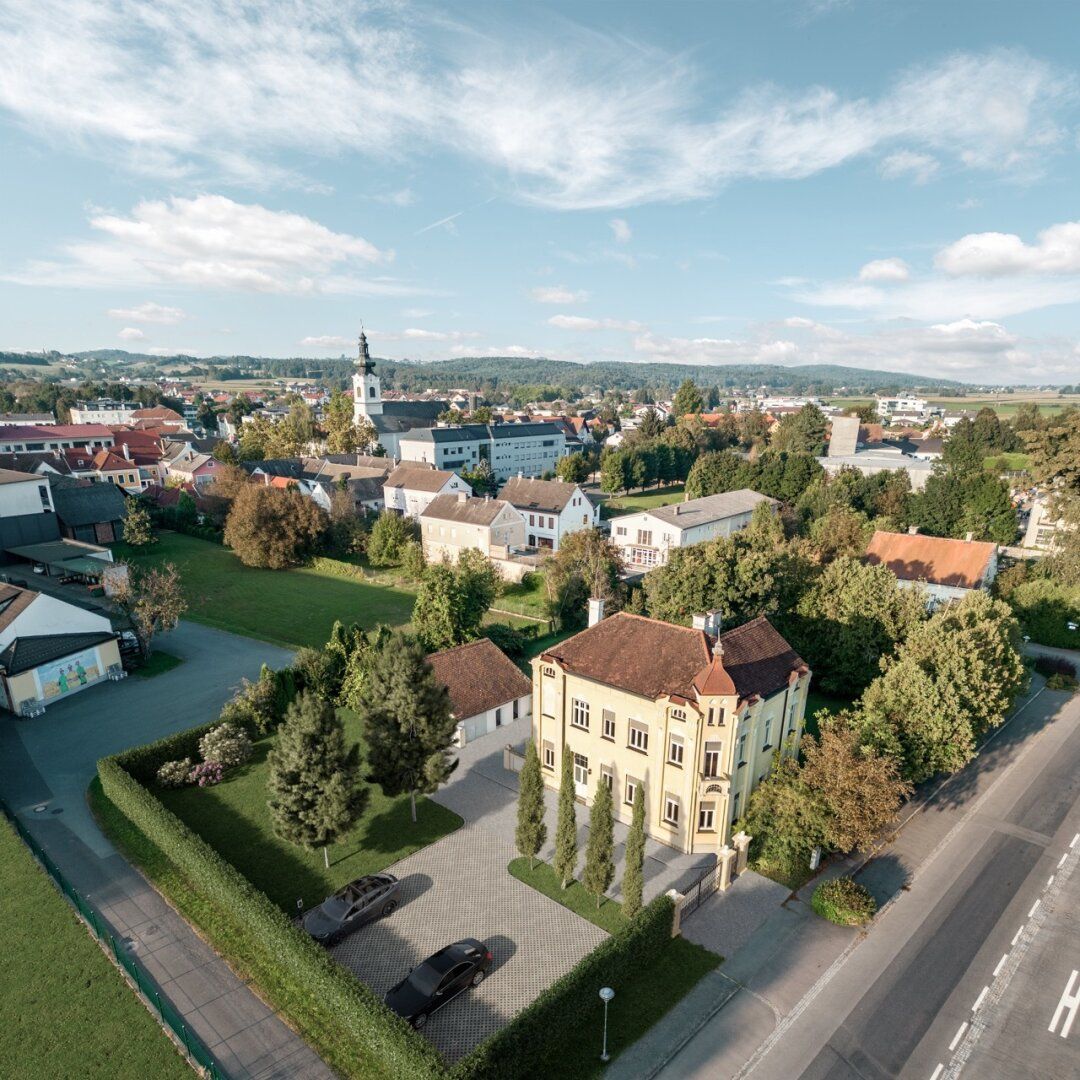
[(452, 523), (487, 689), (105, 466), (690, 715), (645, 538), (552, 509), (411, 487), (948, 569)]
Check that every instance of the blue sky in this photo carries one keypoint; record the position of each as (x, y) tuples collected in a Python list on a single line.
[(879, 183)]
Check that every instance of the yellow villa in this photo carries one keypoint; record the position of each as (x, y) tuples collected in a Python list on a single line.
[(691, 715)]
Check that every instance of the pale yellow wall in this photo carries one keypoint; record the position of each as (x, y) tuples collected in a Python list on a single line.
[(553, 696), (24, 686)]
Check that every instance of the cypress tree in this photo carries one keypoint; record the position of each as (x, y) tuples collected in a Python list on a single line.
[(566, 828), (599, 852), (314, 798), (633, 881), (531, 830), (408, 726)]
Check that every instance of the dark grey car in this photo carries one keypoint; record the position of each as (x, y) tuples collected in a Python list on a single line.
[(359, 902)]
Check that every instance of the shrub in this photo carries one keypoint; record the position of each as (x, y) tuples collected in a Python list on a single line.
[(512, 640), (413, 563), (207, 773), (174, 774), (843, 901), (1061, 682), (226, 744), (1055, 665)]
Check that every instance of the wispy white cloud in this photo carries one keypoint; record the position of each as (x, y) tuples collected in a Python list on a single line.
[(191, 88), (414, 333), (621, 230), (579, 322), (907, 163), (326, 341), (885, 270), (558, 294), (131, 333), (149, 312)]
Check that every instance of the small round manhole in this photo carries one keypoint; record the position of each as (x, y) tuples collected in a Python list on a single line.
[(58, 810), (40, 809)]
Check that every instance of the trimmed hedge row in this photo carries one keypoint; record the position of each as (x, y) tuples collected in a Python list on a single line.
[(538, 1034), (142, 762), (324, 1001)]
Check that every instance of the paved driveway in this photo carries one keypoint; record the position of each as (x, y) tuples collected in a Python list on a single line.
[(459, 887)]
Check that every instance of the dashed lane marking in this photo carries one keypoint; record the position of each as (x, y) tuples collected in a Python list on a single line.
[(1074, 841), (1061, 861), (1016, 936), (937, 1072), (1034, 908), (958, 1036), (979, 1000), (1000, 964)]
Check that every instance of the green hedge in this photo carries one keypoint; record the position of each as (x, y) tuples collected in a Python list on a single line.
[(539, 1033), (340, 1016), (143, 762), (843, 901)]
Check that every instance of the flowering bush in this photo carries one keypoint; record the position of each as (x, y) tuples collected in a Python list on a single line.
[(207, 774), (174, 774), (226, 744)]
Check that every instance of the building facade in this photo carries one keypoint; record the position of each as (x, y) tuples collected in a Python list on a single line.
[(452, 523), (552, 509), (104, 411), (644, 539), (410, 489), (690, 716), (509, 449)]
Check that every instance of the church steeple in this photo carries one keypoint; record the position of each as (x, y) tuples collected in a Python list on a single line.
[(367, 394), (363, 358)]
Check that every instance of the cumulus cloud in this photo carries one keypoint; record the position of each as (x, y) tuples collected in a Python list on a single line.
[(579, 322), (885, 270), (212, 242), (620, 230), (131, 333), (149, 312), (414, 333), (558, 294), (906, 163), (326, 341), (992, 254), (184, 88)]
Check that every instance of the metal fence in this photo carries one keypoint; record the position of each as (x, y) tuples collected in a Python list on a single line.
[(169, 1017), (698, 891)]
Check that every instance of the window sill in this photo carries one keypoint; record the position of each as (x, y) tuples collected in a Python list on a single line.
[(578, 727), (636, 750), (669, 824), (675, 764), (767, 746), (608, 738), (740, 765)]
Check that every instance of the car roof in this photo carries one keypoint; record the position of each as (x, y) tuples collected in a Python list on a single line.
[(450, 955)]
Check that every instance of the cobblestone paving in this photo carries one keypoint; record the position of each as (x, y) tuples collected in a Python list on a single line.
[(458, 888)]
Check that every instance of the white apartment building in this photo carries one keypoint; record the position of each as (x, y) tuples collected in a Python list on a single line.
[(510, 449), (104, 411)]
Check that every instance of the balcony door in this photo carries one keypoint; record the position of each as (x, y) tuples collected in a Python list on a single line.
[(581, 775)]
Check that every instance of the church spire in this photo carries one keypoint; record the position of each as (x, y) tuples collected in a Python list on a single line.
[(363, 357)]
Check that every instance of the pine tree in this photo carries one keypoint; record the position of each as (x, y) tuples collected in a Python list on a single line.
[(531, 830), (633, 882), (599, 869), (566, 829), (314, 797), (408, 726)]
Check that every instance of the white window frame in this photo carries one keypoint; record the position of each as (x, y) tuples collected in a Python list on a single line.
[(629, 790), (607, 774), (765, 740), (707, 817), (672, 809), (636, 727), (676, 749), (548, 754), (579, 714), (716, 753), (607, 730)]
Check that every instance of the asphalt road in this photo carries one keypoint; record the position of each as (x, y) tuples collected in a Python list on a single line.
[(963, 975)]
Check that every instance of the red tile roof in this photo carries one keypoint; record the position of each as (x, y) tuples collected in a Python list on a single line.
[(934, 559), (53, 432), (479, 676)]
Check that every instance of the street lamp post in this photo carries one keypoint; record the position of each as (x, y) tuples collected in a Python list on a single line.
[(606, 994)]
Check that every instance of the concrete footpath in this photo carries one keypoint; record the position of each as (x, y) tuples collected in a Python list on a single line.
[(46, 765)]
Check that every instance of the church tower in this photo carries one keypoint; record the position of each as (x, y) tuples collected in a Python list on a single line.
[(367, 394)]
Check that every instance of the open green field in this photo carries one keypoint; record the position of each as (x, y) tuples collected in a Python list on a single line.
[(66, 1010), (642, 500), (286, 607), (233, 818), (1012, 462)]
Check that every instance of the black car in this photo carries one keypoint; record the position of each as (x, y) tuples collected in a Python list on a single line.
[(360, 901), (439, 979)]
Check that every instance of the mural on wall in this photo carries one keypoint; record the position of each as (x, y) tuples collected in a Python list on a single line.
[(72, 673)]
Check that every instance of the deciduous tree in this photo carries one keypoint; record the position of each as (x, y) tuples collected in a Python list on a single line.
[(586, 564), (272, 528), (688, 399), (138, 528), (388, 537), (153, 601)]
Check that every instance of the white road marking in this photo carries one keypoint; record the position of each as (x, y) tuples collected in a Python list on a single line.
[(958, 1036), (937, 1072), (1034, 908), (979, 1000), (1000, 964), (1061, 861), (1068, 1004), (1016, 936), (1050, 881), (1075, 840)]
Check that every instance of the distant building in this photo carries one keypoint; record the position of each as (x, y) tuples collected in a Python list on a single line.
[(410, 488), (28, 438), (26, 419), (843, 436), (881, 458), (644, 539), (908, 405), (948, 569), (510, 449), (103, 411)]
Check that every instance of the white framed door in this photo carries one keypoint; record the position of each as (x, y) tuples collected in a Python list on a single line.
[(581, 775)]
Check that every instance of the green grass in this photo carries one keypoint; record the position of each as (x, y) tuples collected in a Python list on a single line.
[(639, 1003), (1012, 462), (816, 700), (285, 607), (66, 1010), (233, 818), (643, 500), (608, 916), (528, 598), (157, 664), (538, 645)]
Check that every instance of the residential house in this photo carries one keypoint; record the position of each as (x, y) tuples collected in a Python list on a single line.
[(645, 538), (510, 449), (105, 466), (27, 513), (103, 411), (1043, 528), (552, 509), (50, 649), (948, 569), (91, 512), (690, 715), (451, 523), (487, 689), (191, 467), (411, 487)]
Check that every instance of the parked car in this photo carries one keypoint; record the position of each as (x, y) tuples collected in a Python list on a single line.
[(438, 980), (359, 902)]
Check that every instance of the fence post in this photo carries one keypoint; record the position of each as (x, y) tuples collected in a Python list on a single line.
[(678, 900)]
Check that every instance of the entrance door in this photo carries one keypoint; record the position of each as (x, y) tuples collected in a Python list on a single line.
[(581, 775)]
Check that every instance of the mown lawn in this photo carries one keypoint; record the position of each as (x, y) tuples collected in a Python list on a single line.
[(157, 664), (1012, 462), (642, 500), (66, 1010), (527, 598), (286, 607), (816, 700), (234, 819), (608, 915)]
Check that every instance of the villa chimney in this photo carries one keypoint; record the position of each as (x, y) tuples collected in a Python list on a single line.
[(700, 622), (596, 609), (968, 537), (913, 530), (462, 496)]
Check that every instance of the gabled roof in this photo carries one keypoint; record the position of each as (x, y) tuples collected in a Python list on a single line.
[(53, 432), (960, 563), (710, 508), (655, 659), (418, 477), (549, 495), (88, 504), (158, 412), (13, 602), (9, 476), (471, 510), (479, 676), (25, 653)]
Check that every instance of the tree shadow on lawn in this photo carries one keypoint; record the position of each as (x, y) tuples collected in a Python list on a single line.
[(393, 831)]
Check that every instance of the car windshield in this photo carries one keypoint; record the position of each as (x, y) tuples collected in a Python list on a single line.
[(336, 907), (425, 979)]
